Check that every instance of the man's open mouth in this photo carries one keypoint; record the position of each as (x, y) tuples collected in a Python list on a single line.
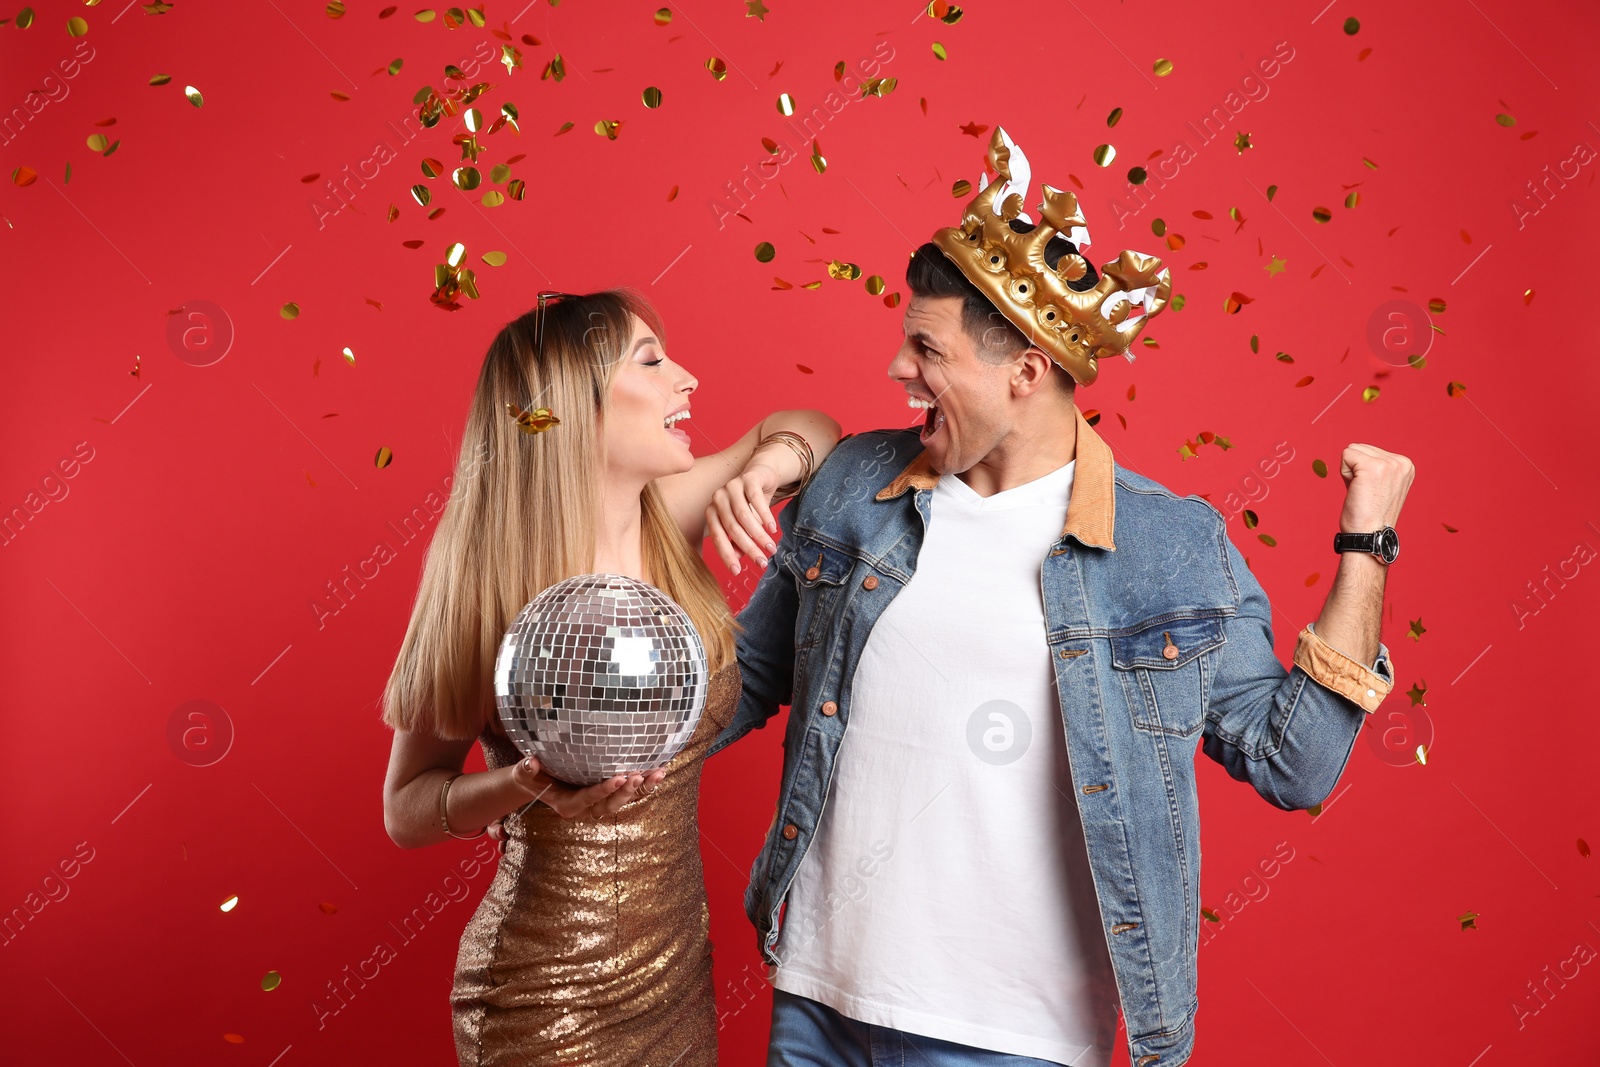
[(934, 420)]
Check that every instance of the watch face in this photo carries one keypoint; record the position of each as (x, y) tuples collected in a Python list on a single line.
[(1388, 544)]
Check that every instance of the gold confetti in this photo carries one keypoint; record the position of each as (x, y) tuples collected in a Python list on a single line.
[(718, 69), (349, 356), (24, 176), (1116, 114), (1527, 297), (1422, 755), (663, 16), (1319, 468), (383, 458), (77, 27), (1136, 175), (532, 422), (425, 15), (1104, 154), (961, 187), (1210, 916), (160, 79), (651, 97), (755, 9), (1159, 227), (785, 104), (1352, 25), (939, 51), (1418, 693), (1353, 199), (1272, 191), (495, 259), (875, 284), (1505, 120), (1268, 540), (421, 194), (291, 310), (1455, 389), (1321, 214), (25, 18), (765, 252), (1178, 301), (555, 69), (194, 95), (818, 162), (335, 9), (892, 300), (1250, 520), (271, 980), (1436, 306), (394, 68), (1369, 394), (1314, 810), (1162, 67), (431, 168), (1468, 920), (229, 904), (843, 271), (466, 177), (1241, 141)]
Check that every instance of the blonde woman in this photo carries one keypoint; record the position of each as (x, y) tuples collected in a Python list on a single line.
[(590, 945)]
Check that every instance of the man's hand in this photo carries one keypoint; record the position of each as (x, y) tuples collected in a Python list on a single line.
[(739, 518), (1376, 483)]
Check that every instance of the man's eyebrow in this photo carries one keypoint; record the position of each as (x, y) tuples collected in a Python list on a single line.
[(641, 342), (918, 334)]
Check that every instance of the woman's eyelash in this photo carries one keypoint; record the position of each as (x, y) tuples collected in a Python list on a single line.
[(651, 362)]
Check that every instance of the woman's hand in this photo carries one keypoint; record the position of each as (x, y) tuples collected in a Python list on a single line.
[(573, 802), (738, 519)]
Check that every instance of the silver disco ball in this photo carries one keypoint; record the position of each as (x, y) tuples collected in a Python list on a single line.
[(600, 674)]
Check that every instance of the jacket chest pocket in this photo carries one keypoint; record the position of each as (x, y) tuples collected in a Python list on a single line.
[(820, 572), (1166, 668)]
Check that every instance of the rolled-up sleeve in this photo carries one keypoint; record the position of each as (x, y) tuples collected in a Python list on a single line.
[(1332, 669)]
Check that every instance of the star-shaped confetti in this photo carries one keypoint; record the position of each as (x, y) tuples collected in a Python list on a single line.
[(1275, 266), (755, 9), (1418, 693), (1468, 920), (1241, 141), (1417, 629), (975, 129)]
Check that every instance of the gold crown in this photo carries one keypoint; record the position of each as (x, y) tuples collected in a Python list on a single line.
[(1007, 264)]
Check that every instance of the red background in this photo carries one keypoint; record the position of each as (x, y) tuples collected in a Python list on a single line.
[(211, 504)]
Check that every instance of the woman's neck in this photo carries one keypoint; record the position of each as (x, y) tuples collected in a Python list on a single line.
[(618, 544)]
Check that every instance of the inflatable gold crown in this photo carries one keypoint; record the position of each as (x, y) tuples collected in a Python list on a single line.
[(1065, 309)]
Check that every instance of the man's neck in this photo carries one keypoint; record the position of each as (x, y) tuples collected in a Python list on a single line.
[(1029, 452)]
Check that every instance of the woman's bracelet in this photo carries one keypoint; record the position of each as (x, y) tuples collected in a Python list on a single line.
[(444, 819), (801, 448)]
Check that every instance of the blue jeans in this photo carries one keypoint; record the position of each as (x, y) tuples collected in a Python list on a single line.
[(808, 1034)]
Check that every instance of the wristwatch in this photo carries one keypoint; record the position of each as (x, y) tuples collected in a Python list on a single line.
[(1385, 544)]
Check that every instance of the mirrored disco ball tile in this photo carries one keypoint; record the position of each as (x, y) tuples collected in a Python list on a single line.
[(600, 674)]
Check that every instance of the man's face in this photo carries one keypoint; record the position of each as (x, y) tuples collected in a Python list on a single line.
[(938, 362)]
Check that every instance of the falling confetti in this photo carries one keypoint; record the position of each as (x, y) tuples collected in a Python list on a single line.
[(785, 104), (536, 421), (1162, 67), (1319, 468), (194, 95), (383, 458), (1418, 693), (271, 980), (939, 51), (1468, 920), (291, 310), (1455, 389), (652, 97), (1369, 394), (1352, 25), (1505, 120), (1416, 629), (1111, 119), (1104, 154), (1241, 141), (1321, 214), (229, 904)]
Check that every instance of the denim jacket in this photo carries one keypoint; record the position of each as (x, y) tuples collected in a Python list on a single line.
[(1160, 640)]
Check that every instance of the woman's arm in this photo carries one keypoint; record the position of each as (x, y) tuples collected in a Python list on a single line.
[(419, 763), (727, 495)]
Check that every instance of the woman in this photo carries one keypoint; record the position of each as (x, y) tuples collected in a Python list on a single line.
[(590, 946)]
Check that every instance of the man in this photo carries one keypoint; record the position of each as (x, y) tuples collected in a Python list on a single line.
[(1025, 644)]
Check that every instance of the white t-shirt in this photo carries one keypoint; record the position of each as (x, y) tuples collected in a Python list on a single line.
[(948, 892)]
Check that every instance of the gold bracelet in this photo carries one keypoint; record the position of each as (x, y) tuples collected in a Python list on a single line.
[(801, 448), (444, 820)]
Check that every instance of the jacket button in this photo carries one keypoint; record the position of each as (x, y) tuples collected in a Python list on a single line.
[(790, 831), (870, 582), (1057, 551), (811, 573), (1170, 652), (830, 708)]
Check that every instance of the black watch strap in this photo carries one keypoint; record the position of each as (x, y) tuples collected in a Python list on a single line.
[(1355, 542)]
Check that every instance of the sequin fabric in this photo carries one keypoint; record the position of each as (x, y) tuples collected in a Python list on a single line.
[(591, 944)]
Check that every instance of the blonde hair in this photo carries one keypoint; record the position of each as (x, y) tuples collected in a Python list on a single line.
[(523, 512)]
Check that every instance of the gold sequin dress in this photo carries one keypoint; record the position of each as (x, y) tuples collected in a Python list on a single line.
[(590, 946)]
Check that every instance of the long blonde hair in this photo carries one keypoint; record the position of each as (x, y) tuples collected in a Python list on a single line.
[(523, 512)]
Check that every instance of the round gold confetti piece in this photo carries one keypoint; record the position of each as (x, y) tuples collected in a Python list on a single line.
[(1455, 389), (291, 310), (939, 51), (663, 16), (426, 15), (474, 120), (25, 18), (1178, 302), (1352, 25), (1369, 394), (1321, 214), (394, 68), (381, 460), (77, 27), (892, 300), (1162, 67), (160, 79), (495, 259), (652, 97), (1436, 306), (1505, 120), (1104, 154), (24, 176), (431, 168), (335, 9), (875, 284), (770, 145), (1353, 199), (499, 172), (493, 198), (718, 69), (271, 980), (961, 187), (194, 95), (1159, 227), (1319, 468), (765, 252), (785, 104), (1111, 119), (229, 904), (466, 177), (421, 194), (97, 142), (349, 356), (1137, 175)]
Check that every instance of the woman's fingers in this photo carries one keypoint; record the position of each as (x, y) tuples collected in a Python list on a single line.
[(736, 517)]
